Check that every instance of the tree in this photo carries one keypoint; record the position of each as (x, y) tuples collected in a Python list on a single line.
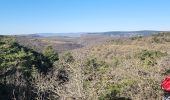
[(51, 54)]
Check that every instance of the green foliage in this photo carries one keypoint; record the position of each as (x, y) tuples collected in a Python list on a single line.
[(156, 40), (167, 72), (50, 53), (11, 54), (162, 34), (19, 67), (14, 55), (148, 57), (136, 38), (94, 70), (34, 72), (117, 41), (93, 65), (86, 84), (161, 37), (116, 61), (113, 91), (67, 57)]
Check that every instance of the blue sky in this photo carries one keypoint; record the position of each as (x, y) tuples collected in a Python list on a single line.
[(56, 16)]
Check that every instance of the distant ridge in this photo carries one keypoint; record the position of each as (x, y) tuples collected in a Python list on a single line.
[(125, 33), (109, 33), (59, 34)]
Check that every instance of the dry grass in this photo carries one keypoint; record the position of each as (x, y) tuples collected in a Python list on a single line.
[(122, 69), (143, 80)]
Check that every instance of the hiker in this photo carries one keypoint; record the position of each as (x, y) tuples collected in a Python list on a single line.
[(165, 85)]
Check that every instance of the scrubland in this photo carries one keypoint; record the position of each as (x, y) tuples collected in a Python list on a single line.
[(119, 69)]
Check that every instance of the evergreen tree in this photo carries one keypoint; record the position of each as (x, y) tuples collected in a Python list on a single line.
[(51, 54)]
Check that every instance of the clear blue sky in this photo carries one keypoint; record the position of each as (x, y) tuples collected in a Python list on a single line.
[(34, 16)]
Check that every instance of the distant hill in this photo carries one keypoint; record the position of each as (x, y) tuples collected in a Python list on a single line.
[(110, 33), (126, 33), (54, 35)]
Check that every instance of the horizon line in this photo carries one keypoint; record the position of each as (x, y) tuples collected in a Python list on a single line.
[(81, 32)]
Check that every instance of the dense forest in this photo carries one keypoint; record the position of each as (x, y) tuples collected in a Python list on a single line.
[(120, 69)]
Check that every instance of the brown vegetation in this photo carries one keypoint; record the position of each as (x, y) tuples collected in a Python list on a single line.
[(121, 69)]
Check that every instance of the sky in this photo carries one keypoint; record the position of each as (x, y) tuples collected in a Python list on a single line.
[(66, 16)]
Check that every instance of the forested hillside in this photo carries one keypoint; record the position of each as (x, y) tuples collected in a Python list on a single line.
[(19, 67), (120, 69)]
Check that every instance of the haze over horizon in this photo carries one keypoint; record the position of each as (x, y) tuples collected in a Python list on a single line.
[(64, 16)]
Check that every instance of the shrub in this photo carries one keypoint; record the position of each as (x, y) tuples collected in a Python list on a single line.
[(113, 91), (117, 41), (162, 34), (148, 57), (161, 37), (68, 58), (94, 65), (156, 40), (136, 38)]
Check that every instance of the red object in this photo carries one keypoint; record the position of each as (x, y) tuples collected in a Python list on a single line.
[(165, 85)]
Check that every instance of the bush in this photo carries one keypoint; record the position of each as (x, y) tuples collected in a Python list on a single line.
[(161, 37), (162, 34), (113, 91), (68, 58), (93, 65), (117, 41), (148, 57), (136, 38), (156, 40)]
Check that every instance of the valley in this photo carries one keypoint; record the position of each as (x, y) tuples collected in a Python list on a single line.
[(84, 68)]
